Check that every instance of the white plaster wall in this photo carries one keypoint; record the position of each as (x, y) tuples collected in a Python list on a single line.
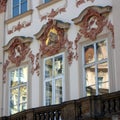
[(2, 18), (116, 22), (71, 12)]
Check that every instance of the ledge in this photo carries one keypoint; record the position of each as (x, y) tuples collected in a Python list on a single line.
[(19, 17), (44, 5)]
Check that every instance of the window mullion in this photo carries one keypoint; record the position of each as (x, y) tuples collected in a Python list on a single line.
[(96, 69)]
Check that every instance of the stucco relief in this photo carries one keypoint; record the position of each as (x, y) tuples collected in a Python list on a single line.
[(79, 2), (54, 12), (111, 28), (34, 59), (53, 39), (17, 49), (19, 26), (5, 65), (92, 21), (3, 5)]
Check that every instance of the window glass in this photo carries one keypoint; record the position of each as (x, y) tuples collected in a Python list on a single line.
[(18, 89), (46, 1), (19, 7), (96, 68), (53, 79)]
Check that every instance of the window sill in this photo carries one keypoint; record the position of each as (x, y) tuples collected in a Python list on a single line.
[(19, 17), (44, 5)]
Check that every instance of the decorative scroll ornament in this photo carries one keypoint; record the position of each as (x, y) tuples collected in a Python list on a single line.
[(36, 61), (53, 38), (5, 65), (3, 5), (111, 28), (79, 2), (17, 49), (54, 12), (19, 26)]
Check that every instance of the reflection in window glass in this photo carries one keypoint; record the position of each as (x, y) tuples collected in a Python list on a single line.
[(48, 68), (53, 79), (103, 78), (48, 93), (96, 68), (58, 91), (101, 50), (89, 54), (18, 89)]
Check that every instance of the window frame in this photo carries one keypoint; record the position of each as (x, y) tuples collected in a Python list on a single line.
[(20, 9), (18, 86), (95, 63), (53, 80)]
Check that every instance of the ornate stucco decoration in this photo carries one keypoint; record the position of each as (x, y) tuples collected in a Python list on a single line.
[(91, 21), (53, 38), (111, 28), (18, 48), (34, 59), (5, 65), (19, 26), (3, 5), (54, 12), (79, 2)]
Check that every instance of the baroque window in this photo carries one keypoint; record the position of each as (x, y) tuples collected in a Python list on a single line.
[(95, 64), (53, 79), (19, 7), (18, 89)]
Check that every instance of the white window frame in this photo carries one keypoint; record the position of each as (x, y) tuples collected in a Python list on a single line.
[(17, 87), (53, 80), (94, 63)]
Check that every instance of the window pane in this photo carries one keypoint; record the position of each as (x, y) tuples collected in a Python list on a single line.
[(14, 110), (58, 91), (89, 54), (23, 106), (104, 88), (14, 78), (23, 94), (48, 68), (14, 96), (101, 50), (90, 76), (23, 75), (47, 1), (15, 2), (48, 93), (23, 7), (15, 11), (58, 65), (91, 90), (103, 78)]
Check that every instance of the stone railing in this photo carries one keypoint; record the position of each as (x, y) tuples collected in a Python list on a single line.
[(101, 107)]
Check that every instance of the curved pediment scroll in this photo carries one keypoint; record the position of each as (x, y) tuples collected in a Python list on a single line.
[(18, 48)]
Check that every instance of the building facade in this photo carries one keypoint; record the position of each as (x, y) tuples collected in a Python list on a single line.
[(54, 51)]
